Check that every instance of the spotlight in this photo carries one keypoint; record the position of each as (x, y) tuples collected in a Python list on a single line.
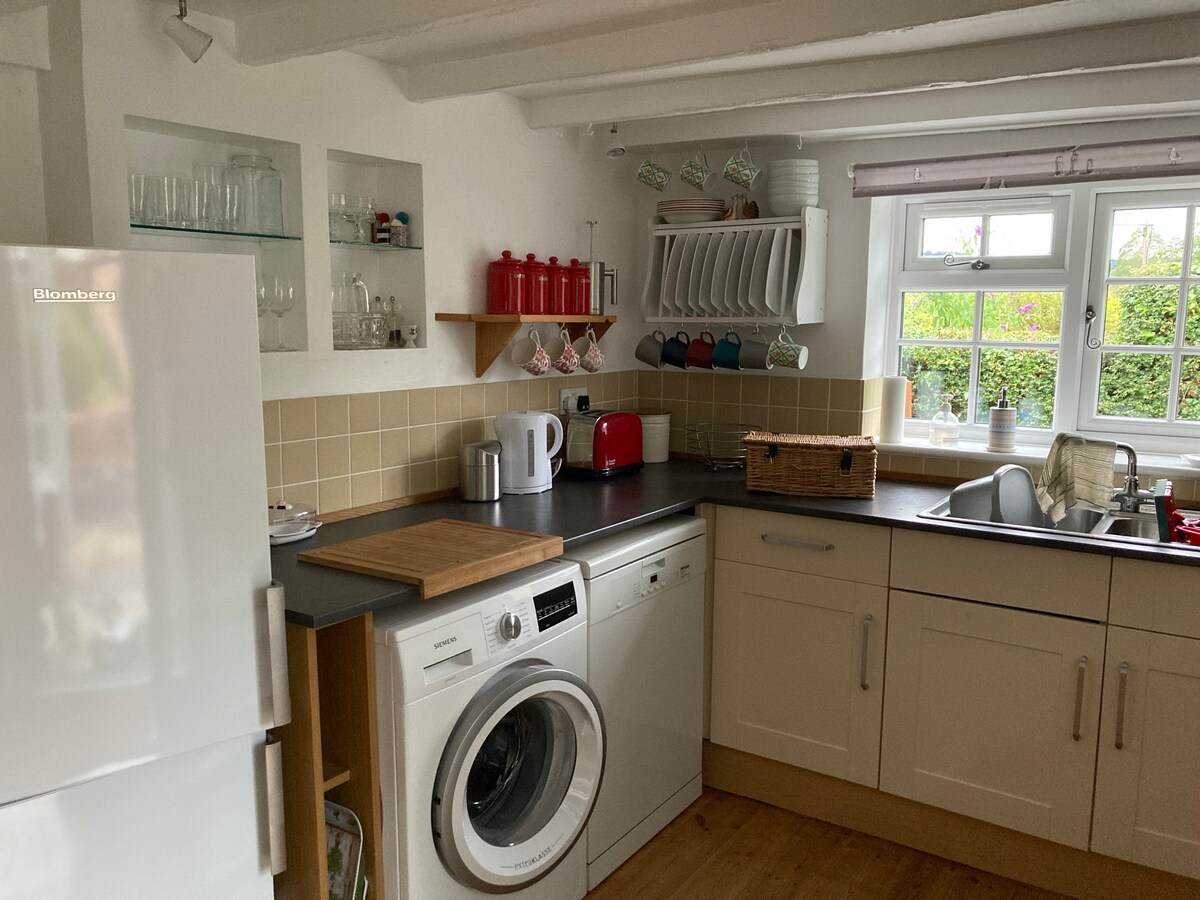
[(616, 148), (191, 40)]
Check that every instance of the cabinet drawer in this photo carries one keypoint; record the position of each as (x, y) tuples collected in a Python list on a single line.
[(1156, 597), (1036, 578), (824, 547)]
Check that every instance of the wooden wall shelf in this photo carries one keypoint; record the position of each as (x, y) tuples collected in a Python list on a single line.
[(493, 332)]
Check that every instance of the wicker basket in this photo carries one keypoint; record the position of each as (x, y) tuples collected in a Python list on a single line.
[(810, 465)]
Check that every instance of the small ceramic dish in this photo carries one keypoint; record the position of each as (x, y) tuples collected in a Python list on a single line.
[(286, 532)]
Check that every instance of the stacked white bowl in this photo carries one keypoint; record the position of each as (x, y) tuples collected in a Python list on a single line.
[(792, 184)]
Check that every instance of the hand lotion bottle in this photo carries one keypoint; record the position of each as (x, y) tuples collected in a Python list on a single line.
[(1002, 425), (943, 427)]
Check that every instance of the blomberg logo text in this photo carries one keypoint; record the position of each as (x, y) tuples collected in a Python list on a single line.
[(45, 295)]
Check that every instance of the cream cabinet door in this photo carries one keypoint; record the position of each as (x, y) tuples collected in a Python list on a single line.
[(993, 713), (797, 668), (1148, 776)]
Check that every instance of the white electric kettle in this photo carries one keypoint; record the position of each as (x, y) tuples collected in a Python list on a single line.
[(524, 459)]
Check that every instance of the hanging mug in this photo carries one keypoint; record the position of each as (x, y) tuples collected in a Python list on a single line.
[(653, 175), (696, 171), (530, 355), (786, 353), (755, 353), (591, 357), (562, 354), (650, 348), (741, 170), (674, 352), (727, 353)]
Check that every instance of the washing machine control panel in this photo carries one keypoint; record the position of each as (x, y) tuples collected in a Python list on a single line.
[(555, 605)]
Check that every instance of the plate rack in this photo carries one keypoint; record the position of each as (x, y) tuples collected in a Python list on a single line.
[(766, 271)]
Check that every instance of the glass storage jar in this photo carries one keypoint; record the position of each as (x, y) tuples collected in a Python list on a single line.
[(262, 194)]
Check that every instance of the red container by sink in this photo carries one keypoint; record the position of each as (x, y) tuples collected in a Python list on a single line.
[(506, 285)]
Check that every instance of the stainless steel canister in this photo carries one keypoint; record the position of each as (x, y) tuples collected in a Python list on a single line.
[(479, 471)]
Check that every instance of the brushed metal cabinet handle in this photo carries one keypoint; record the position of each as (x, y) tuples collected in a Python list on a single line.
[(281, 698), (866, 642), (276, 832), (1077, 731), (1122, 684), (792, 542)]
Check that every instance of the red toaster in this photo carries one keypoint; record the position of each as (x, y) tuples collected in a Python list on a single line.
[(601, 443)]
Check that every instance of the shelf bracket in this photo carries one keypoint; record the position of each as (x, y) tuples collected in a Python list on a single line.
[(493, 332)]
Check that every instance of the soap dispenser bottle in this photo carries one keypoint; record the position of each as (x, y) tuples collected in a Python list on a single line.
[(1002, 425), (943, 427)]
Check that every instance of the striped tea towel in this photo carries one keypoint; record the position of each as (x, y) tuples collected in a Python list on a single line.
[(1076, 469)]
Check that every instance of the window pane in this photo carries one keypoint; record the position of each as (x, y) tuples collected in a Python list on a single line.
[(1147, 242), (1030, 377), (1189, 389), (1022, 316), (1134, 385), (935, 371), (951, 234), (1191, 324), (942, 316), (1141, 314), (1196, 241), (1025, 234)]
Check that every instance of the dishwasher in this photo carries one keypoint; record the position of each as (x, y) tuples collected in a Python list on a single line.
[(645, 590)]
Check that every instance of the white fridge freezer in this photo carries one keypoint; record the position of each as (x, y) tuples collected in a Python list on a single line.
[(140, 639)]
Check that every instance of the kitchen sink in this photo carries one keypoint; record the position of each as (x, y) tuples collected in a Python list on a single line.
[(1110, 525)]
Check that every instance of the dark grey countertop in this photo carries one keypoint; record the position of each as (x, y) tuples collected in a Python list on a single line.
[(581, 511)]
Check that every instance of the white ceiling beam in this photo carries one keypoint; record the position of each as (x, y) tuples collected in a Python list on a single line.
[(1125, 46), (1067, 99)]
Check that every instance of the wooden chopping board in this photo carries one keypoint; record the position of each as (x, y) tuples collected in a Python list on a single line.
[(439, 556)]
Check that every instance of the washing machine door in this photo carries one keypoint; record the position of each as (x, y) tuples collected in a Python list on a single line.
[(518, 777)]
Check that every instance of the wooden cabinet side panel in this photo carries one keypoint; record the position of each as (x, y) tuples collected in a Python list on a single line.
[(349, 732), (1148, 791), (978, 717), (1043, 580), (307, 875)]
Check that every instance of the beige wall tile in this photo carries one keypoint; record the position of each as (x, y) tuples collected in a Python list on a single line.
[(299, 461), (727, 412), (447, 404), (394, 483), (333, 415), (495, 397), (366, 487), (844, 422), (474, 403), (597, 389), (627, 384), (364, 452), (782, 420), (872, 393), (448, 439), (364, 412), (785, 391), (543, 393), (447, 474), (298, 419), (518, 395), (612, 386), (698, 413), (674, 385), (423, 477), (271, 433), (333, 457), (755, 416), (421, 407), (274, 465), (813, 393), (700, 387), (677, 409), (393, 409), (579, 379), (678, 442), (306, 493), (946, 467), (812, 421), (974, 468), (871, 421), (906, 464), (756, 390), (846, 394), (727, 388), (474, 430), (422, 443), (628, 404), (393, 448), (334, 494), (275, 495), (649, 385)]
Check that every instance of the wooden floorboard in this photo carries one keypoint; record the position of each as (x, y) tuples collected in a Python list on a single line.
[(724, 847)]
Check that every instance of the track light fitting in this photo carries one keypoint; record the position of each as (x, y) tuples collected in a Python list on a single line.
[(191, 40)]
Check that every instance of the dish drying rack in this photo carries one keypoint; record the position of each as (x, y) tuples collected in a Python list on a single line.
[(719, 445), (768, 271)]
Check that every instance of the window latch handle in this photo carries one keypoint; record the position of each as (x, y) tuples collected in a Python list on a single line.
[(1089, 316), (977, 264)]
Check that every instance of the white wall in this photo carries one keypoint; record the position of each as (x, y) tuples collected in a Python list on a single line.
[(22, 208), (490, 183)]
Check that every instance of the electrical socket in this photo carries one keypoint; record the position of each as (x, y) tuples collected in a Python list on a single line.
[(568, 399)]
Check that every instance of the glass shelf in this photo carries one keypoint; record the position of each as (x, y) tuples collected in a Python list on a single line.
[(179, 231), (367, 246)]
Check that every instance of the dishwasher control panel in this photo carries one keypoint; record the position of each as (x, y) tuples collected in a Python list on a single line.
[(646, 578)]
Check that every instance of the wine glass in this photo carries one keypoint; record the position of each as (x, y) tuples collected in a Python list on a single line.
[(281, 298), (262, 298)]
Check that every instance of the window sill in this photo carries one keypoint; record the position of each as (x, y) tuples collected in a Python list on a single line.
[(1158, 465)]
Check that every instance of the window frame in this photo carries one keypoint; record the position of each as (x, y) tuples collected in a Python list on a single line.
[(1075, 276), (1037, 202)]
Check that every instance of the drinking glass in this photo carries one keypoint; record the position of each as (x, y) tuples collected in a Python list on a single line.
[(262, 298), (229, 207), (137, 199), (172, 204), (282, 298)]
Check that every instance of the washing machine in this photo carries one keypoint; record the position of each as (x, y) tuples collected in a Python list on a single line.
[(492, 744)]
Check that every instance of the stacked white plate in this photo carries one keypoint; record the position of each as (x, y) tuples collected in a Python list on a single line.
[(688, 212), (792, 184)]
